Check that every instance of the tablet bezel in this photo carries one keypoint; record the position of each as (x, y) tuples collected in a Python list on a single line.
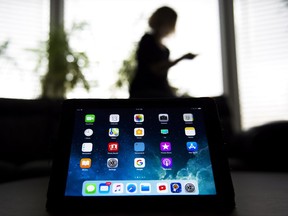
[(223, 200)]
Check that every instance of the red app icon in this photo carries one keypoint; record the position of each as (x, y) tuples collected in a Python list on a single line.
[(113, 147), (162, 187)]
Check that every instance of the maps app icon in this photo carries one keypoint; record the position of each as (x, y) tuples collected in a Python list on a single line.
[(113, 132)]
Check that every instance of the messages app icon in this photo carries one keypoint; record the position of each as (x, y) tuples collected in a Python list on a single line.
[(89, 188)]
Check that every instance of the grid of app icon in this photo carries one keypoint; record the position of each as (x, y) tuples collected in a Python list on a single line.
[(165, 146)]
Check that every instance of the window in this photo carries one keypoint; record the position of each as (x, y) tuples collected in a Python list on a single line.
[(115, 26), (23, 24), (113, 29), (262, 52)]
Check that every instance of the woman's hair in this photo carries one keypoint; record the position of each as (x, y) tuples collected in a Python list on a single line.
[(163, 16)]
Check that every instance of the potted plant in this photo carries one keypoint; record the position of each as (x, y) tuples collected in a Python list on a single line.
[(65, 66)]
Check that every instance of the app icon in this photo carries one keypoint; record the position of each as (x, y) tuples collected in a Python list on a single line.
[(176, 187), (138, 118), (145, 187), (189, 187), (113, 132), (166, 162), (139, 146), (163, 117), (131, 188), (90, 118), (88, 132), (104, 187), (165, 146), (164, 131), (85, 163), (112, 162), (113, 147), (117, 188), (188, 117), (114, 118), (90, 188), (190, 131), (162, 187), (192, 146), (87, 147), (138, 131), (139, 162)]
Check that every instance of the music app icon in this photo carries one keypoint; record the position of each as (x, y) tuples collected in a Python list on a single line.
[(117, 188)]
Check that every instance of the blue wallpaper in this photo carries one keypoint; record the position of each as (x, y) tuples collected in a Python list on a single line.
[(185, 166)]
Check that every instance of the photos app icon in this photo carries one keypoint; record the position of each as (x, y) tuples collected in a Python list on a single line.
[(138, 118)]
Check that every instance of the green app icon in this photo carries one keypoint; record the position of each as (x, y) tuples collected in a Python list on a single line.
[(90, 118), (90, 188)]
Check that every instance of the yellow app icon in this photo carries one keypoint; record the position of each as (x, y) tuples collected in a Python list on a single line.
[(85, 163), (190, 131), (138, 131)]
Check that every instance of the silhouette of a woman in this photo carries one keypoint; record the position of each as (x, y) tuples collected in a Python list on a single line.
[(153, 63)]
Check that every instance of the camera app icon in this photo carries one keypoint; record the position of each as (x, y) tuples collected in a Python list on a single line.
[(163, 117)]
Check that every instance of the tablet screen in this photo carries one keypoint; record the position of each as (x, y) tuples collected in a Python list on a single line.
[(139, 151)]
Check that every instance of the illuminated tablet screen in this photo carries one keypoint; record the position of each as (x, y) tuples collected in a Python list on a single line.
[(139, 151)]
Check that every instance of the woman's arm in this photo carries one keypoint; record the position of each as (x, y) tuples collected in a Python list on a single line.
[(163, 66)]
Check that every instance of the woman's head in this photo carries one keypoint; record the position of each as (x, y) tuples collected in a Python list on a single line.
[(163, 21)]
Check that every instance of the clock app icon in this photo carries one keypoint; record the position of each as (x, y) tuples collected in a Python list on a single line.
[(88, 132)]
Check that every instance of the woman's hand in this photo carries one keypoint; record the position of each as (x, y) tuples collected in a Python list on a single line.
[(189, 56)]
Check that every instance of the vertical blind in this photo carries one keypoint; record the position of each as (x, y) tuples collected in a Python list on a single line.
[(23, 24), (262, 59)]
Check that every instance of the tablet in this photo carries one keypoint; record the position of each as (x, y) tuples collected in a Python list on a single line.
[(149, 154)]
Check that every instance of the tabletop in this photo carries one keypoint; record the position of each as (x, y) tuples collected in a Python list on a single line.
[(256, 194)]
